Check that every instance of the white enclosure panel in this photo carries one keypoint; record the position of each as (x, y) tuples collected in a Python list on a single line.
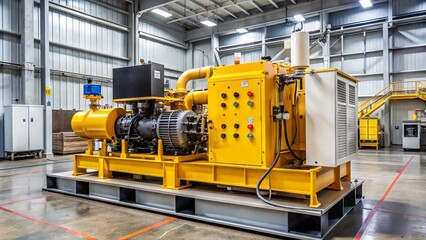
[(36, 127), (319, 123), (16, 128), (331, 119)]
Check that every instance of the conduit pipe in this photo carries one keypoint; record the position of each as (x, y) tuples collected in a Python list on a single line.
[(193, 98), (192, 74)]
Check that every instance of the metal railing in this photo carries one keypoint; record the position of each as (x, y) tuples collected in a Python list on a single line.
[(397, 89)]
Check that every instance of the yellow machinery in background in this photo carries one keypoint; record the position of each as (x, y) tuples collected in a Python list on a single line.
[(248, 130), (420, 114), (369, 132)]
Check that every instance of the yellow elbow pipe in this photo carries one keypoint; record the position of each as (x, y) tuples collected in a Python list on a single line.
[(194, 98), (197, 73)]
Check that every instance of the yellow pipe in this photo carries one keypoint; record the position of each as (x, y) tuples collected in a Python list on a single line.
[(200, 97), (197, 73)]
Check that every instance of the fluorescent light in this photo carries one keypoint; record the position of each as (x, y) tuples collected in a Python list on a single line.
[(208, 23), (299, 18), (241, 30), (162, 13), (366, 3)]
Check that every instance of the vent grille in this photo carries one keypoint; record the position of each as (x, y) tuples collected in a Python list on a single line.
[(352, 96), (342, 137), (346, 119), (341, 91), (352, 129)]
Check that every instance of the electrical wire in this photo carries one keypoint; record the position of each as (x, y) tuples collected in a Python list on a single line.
[(295, 113), (288, 144), (267, 173)]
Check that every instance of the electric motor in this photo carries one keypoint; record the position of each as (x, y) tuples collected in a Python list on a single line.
[(179, 130), (174, 128)]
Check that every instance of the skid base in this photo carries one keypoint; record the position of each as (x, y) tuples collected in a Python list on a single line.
[(211, 204)]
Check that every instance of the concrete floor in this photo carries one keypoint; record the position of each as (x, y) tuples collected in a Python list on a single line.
[(394, 206)]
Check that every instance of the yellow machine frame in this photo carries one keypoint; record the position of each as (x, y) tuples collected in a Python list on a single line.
[(239, 168)]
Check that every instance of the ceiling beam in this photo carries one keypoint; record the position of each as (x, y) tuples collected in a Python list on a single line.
[(146, 6), (256, 6), (205, 9), (241, 8), (308, 9), (220, 6), (190, 21), (229, 13), (273, 3)]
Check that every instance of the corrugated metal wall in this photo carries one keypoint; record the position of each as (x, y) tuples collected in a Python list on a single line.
[(358, 15), (402, 7), (171, 57), (201, 56), (81, 46)]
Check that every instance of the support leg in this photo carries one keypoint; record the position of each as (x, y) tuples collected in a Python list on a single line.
[(170, 176), (77, 170), (89, 150), (160, 150), (104, 171), (313, 200), (337, 185), (103, 152), (124, 149), (348, 176)]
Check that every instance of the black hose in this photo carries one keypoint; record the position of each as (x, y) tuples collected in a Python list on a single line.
[(295, 113), (277, 157), (288, 144)]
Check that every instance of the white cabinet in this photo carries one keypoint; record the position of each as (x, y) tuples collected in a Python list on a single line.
[(331, 118), (23, 128)]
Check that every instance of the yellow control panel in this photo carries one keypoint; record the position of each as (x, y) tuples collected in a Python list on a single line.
[(235, 120), (241, 129)]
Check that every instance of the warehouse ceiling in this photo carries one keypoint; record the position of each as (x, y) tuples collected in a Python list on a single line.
[(189, 13)]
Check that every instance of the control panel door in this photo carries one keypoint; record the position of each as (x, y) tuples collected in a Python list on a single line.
[(235, 121)]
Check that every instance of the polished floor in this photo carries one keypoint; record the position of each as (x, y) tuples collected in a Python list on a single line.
[(394, 206)]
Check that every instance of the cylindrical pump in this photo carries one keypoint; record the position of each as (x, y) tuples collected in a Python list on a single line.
[(300, 49)]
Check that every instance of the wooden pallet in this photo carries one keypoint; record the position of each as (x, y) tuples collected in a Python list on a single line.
[(67, 143)]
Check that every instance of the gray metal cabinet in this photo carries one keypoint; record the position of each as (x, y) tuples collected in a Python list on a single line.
[(23, 128)]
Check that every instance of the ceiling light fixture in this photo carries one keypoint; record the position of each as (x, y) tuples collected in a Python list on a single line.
[(299, 18), (366, 3), (241, 30), (162, 13), (208, 22)]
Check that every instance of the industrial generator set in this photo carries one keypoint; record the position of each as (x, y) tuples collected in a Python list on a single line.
[(265, 126)]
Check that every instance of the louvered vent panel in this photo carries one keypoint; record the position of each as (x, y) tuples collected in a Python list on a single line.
[(352, 96), (342, 137), (341, 91), (352, 129)]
